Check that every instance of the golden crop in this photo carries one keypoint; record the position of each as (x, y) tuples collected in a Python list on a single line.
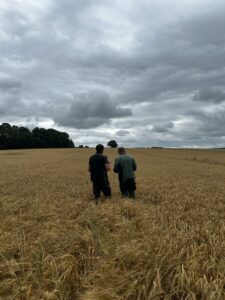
[(55, 243)]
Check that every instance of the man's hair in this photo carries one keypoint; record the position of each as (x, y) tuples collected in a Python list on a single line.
[(99, 148), (121, 150)]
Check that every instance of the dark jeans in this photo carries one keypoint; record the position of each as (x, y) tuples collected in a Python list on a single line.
[(103, 186), (128, 188)]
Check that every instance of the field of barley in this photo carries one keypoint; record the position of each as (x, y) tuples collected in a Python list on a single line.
[(168, 243)]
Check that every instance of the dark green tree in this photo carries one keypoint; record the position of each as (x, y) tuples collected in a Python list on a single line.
[(112, 144), (5, 136), (14, 137)]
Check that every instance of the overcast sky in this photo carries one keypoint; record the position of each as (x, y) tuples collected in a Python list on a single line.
[(142, 72)]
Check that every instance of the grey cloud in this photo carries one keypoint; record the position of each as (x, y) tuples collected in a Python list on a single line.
[(162, 127), (210, 95), (9, 84), (13, 105), (122, 132), (88, 122), (206, 27), (9, 105), (178, 57), (18, 27), (208, 123), (91, 110)]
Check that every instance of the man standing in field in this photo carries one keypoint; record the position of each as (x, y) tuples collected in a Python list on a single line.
[(125, 166), (98, 167)]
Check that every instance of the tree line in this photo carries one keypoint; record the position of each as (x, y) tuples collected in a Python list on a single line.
[(15, 137)]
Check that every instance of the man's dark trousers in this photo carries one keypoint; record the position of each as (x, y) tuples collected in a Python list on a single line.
[(103, 186), (128, 188)]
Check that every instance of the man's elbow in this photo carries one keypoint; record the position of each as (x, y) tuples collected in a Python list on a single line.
[(107, 167)]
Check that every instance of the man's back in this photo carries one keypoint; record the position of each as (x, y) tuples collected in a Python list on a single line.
[(125, 165), (97, 164), (98, 167)]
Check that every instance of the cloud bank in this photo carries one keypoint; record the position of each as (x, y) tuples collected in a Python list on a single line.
[(144, 73)]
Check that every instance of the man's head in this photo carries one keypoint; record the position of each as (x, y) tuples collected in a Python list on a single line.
[(121, 150), (99, 148)]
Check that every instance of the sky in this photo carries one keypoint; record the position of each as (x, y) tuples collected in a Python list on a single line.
[(142, 72)]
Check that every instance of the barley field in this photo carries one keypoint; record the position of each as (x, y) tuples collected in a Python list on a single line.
[(168, 243)]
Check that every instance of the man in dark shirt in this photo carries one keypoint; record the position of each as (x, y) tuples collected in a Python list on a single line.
[(98, 167), (125, 165)]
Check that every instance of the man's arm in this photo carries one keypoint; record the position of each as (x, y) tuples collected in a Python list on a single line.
[(107, 164), (89, 165), (116, 166), (107, 167), (134, 165)]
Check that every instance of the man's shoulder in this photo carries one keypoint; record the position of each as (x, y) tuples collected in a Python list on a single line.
[(98, 156), (126, 157), (93, 157), (131, 157)]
